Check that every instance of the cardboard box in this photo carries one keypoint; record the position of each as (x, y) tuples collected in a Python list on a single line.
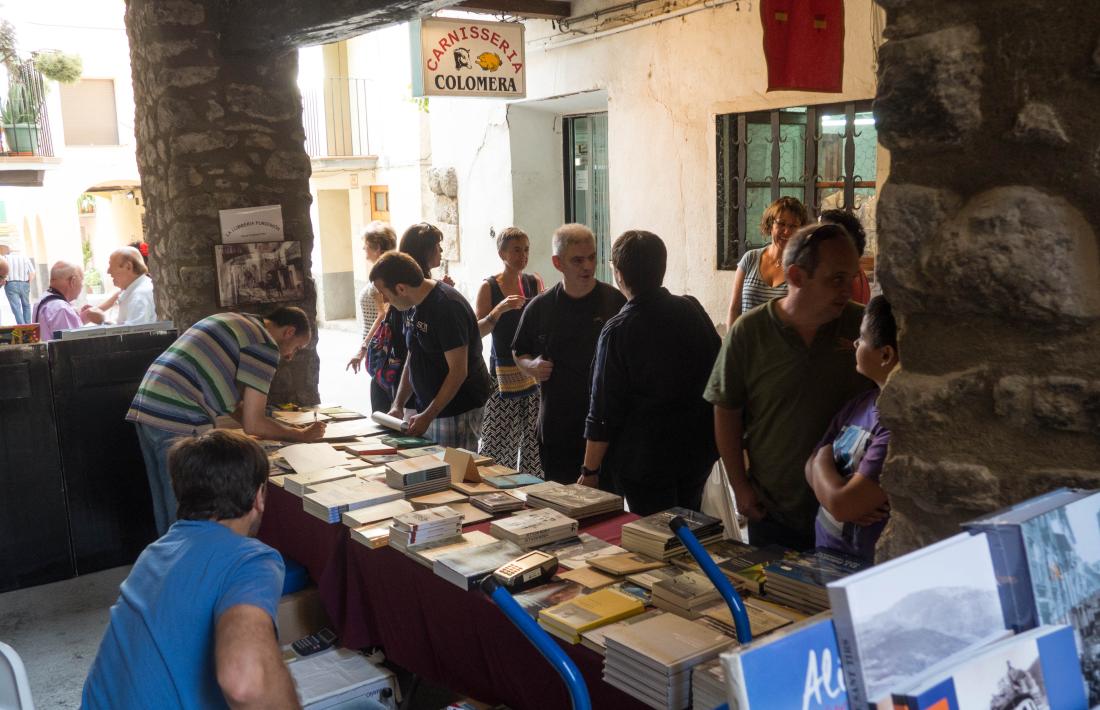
[(300, 614)]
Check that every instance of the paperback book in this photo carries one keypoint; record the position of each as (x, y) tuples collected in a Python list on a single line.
[(531, 528), (570, 619), (466, 568)]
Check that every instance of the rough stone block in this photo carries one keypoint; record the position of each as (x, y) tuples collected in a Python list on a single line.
[(1055, 402), (908, 217), (159, 51), (446, 210), (186, 77), (1014, 250), (177, 12), (1039, 123), (288, 165), (941, 485), (201, 142), (914, 400), (434, 175), (448, 182), (930, 89), (262, 104)]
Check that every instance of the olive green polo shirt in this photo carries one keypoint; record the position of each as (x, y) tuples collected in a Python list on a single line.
[(788, 393)]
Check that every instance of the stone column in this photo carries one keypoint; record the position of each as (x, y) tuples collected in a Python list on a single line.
[(989, 256), (215, 130)]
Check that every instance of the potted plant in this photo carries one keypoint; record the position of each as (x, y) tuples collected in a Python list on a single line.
[(20, 120)]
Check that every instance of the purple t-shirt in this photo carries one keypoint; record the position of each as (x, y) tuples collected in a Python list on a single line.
[(859, 448)]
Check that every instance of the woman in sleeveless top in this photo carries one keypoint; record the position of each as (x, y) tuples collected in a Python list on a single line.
[(378, 238), (760, 277), (510, 427)]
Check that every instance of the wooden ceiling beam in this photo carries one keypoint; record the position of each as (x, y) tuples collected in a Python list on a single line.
[(538, 9)]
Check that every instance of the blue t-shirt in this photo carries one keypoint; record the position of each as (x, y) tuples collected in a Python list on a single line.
[(859, 448), (158, 650)]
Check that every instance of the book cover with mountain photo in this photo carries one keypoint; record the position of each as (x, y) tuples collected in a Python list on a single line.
[(897, 619)]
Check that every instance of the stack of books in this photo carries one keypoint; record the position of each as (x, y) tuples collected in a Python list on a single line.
[(531, 528), (798, 581), (685, 595), (369, 447), (652, 660), (625, 563), (595, 638), (652, 536), (764, 617), (497, 503), (328, 501), (708, 685), (648, 578), (742, 564), (570, 619), (797, 666), (300, 483), (432, 450), (465, 568), (574, 500), (418, 476), (427, 554), (371, 526), (406, 442), (514, 480), (447, 497), (575, 552), (423, 527)]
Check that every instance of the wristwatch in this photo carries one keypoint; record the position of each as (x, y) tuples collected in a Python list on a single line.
[(589, 472)]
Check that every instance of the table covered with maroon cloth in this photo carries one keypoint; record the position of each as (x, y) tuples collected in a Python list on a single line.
[(451, 637)]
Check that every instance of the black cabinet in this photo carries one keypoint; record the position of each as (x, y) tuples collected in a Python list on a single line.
[(109, 507), (34, 527)]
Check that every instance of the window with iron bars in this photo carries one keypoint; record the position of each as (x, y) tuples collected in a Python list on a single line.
[(824, 155)]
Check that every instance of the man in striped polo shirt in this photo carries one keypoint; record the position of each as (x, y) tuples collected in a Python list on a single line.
[(18, 285), (222, 365)]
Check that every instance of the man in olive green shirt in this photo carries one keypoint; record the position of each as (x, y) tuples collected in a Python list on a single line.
[(784, 370)]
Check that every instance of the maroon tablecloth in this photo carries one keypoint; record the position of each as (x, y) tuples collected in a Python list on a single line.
[(451, 637)]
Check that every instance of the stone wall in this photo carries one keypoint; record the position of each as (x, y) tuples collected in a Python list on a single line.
[(215, 131), (989, 256)]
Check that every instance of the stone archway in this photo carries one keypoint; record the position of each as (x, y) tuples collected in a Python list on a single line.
[(989, 256)]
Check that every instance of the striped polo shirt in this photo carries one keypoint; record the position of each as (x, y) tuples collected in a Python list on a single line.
[(20, 268), (201, 375)]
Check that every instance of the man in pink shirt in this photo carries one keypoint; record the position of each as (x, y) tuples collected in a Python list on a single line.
[(53, 312)]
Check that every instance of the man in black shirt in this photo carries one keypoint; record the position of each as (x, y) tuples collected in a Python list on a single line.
[(554, 343), (650, 432), (444, 367)]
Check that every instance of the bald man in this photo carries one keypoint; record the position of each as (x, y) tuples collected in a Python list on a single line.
[(54, 312), (135, 301)]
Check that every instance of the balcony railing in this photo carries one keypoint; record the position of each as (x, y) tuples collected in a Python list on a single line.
[(23, 114), (335, 118)]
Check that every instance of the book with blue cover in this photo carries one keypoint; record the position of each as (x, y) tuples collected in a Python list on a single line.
[(1036, 669), (795, 667), (514, 480), (1003, 530)]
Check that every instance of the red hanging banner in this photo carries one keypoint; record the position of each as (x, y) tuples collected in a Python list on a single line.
[(804, 44)]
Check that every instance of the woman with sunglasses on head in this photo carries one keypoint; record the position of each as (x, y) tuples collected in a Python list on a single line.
[(510, 428), (424, 242), (759, 276)]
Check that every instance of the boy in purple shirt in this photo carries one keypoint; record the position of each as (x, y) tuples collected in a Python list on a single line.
[(844, 468)]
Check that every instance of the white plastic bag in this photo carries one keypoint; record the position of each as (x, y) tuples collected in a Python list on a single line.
[(718, 501)]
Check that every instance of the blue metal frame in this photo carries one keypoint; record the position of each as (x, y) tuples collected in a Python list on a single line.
[(733, 599), (548, 647)]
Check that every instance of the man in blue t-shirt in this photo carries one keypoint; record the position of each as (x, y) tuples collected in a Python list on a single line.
[(194, 622), (445, 368), (845, 466)]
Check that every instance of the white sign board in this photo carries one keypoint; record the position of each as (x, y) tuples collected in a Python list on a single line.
[(252, 224), (468, 58)]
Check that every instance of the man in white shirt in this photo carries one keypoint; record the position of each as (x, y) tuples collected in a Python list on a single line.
[(135, 302)]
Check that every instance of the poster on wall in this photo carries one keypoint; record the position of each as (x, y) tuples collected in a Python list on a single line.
[(259, 272), (252, 224), (468, 58)]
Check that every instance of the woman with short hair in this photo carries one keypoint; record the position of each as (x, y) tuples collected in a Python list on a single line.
[(759, 276), (510, 427)]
